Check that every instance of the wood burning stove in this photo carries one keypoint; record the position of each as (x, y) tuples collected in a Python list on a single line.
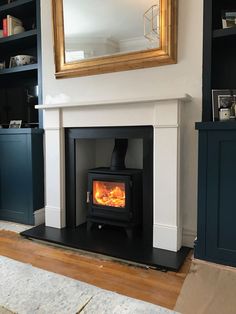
[(115, 193)]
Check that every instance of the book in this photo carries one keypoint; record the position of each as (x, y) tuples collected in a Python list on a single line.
[(12, 22), (4, 26)]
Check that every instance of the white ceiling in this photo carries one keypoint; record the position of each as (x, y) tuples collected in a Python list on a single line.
[(116, 19)]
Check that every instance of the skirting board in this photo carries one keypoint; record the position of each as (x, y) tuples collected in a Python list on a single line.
[(39, 217), (166, 237), (189, 237), (54, 217)]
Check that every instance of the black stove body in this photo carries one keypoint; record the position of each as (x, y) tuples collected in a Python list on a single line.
[(115, 193)]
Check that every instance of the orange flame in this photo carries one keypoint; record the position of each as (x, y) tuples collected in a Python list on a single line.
[(109, 193)]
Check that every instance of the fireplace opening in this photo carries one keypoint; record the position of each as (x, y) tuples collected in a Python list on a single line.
[(109, 184)]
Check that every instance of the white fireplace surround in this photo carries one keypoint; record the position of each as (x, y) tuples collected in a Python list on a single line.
[(165, 117)]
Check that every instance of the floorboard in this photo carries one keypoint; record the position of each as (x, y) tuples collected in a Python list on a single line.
[(146, 284)]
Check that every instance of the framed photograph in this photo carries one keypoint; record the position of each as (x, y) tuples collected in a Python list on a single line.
[(15, 124), (12, 63), (228, 18), (223, 98)]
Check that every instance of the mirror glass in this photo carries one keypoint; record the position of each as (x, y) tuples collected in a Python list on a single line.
[(96, 28)]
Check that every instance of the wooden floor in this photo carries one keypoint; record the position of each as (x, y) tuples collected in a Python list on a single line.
[(133, 281)]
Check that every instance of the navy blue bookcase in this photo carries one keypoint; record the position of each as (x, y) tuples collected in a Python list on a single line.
[(21, 150), (21, 174), (216, 232), (19, 83)]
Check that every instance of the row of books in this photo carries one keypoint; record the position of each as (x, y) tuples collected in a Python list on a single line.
[(9, 23)]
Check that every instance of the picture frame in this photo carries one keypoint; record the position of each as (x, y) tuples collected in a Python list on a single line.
[(223, 98), (15, 124), (228, 18), (12, 63)]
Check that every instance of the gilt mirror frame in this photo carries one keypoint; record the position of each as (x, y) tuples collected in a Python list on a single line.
[(164, 55)]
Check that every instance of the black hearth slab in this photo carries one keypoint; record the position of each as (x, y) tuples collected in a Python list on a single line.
[(109, 242)]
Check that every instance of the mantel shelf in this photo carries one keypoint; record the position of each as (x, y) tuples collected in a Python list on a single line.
[(225, 32), (183, 98)]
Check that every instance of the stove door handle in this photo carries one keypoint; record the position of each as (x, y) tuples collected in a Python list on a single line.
[(88, 197)]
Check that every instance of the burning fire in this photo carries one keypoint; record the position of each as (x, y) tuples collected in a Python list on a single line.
[(109, 193)]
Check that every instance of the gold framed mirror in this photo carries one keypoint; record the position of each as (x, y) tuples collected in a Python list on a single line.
[(160, 35)]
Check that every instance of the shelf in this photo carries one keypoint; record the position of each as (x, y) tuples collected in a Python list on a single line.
[(27, 34), (21, 8), (21, 131), (216, 125), (24, 68), (15, 4), (225, 32), (25, 39)]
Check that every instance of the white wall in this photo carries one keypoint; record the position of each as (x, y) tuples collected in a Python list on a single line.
[(184, 77)]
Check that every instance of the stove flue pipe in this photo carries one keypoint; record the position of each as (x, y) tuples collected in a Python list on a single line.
[(118, 154)]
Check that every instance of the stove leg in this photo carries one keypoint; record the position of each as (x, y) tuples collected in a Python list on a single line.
[(129, 233), (89, 225)]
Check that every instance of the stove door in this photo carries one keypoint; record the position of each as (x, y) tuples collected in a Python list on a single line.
[(110, 196)]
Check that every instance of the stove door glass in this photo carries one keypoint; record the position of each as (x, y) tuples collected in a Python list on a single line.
[(110, 194)]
